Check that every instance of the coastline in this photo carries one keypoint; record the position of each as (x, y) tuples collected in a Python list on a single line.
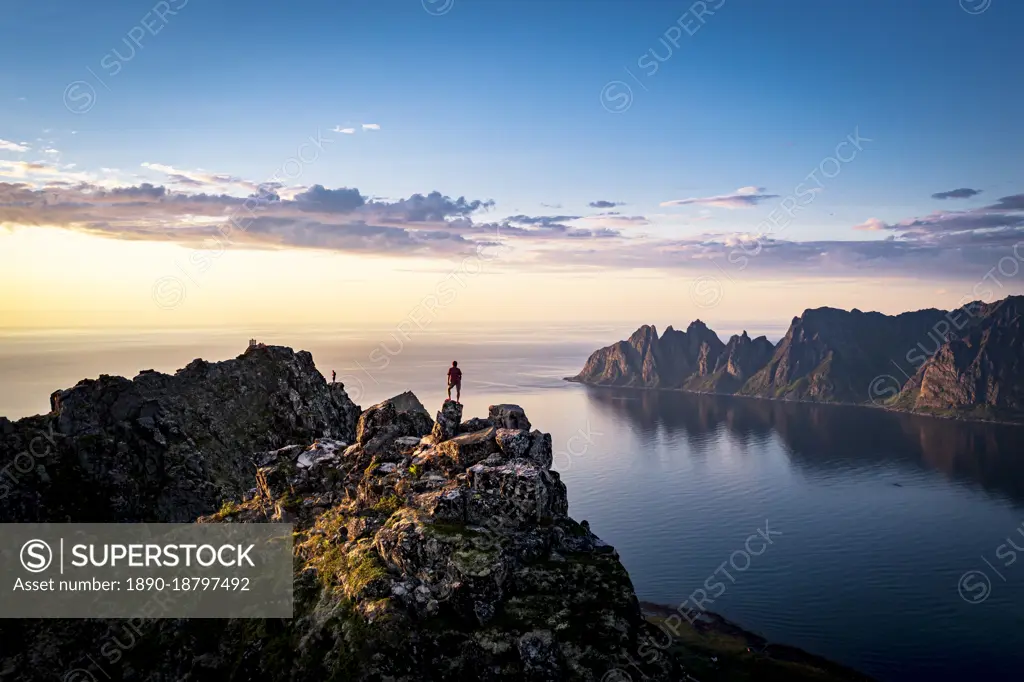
[(715, 648), (872, 406)]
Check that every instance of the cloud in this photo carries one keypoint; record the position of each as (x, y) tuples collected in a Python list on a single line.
[(8, 146), (871, 225), (601, 203), (744, 197), (202, 210), (615, 220), (1014, 202), (21, 169), (344, 131), (541, 219), (318, 198), (1002, 216), (371, 126), (433, 206), (199, 178), (343, 219), (961, 193)]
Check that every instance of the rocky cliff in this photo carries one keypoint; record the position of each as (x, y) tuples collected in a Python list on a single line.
[(980, 373), (973, 355), (831, 355), (164, 447), (426, 548)]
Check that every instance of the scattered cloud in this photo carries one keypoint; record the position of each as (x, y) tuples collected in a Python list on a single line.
[(744, 197), (542, 219), (601, 203), (8, 146), (871, 225), (21, 169), (197, 208), (961, 193), (343, 219), (371, 126), (200, 178), (615, 220), (343, 131), (1014, 202)]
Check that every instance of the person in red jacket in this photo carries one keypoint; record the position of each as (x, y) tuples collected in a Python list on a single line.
[(455, 381)]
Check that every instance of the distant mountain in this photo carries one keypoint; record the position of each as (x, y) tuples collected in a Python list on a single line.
[(830, 355), (741, 359), (980, 373)]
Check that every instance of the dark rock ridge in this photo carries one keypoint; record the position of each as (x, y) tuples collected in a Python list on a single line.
[(165, 447), (967, 361), (424, 550)]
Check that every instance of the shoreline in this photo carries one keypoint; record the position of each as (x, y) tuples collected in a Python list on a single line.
[(871, 406), (722, 644)]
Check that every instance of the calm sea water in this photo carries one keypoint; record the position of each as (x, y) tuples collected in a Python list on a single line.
[(889, 533)]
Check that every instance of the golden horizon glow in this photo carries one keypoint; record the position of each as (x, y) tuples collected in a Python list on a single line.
[(55, 279)]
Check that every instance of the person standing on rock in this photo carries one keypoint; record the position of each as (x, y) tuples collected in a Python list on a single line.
[(455, 380), (334, 376)]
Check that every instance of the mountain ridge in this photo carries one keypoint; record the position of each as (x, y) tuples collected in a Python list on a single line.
[(961, 363)]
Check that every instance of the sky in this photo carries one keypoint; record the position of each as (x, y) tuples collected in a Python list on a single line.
[(459, 163)]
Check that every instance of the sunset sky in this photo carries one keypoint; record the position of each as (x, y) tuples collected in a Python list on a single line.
[(482, 162)]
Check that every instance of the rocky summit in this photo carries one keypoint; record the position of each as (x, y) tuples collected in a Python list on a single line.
[(426, 548), (165, 447)]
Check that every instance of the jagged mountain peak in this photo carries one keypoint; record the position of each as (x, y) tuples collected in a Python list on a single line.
[(645, 333), (833, 355)]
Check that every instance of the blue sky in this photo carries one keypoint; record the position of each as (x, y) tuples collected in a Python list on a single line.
[(508, 101)]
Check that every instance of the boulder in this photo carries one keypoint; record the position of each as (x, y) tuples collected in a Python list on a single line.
[(446, 425), (402, 415), (508, 416), (540, 451), (469, 448), (514, 443), (475, 424), (447, 505), (519, 493)]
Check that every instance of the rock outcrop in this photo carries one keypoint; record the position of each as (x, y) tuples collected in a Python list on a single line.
[(423, 550), (450, 556), (165, 447)]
